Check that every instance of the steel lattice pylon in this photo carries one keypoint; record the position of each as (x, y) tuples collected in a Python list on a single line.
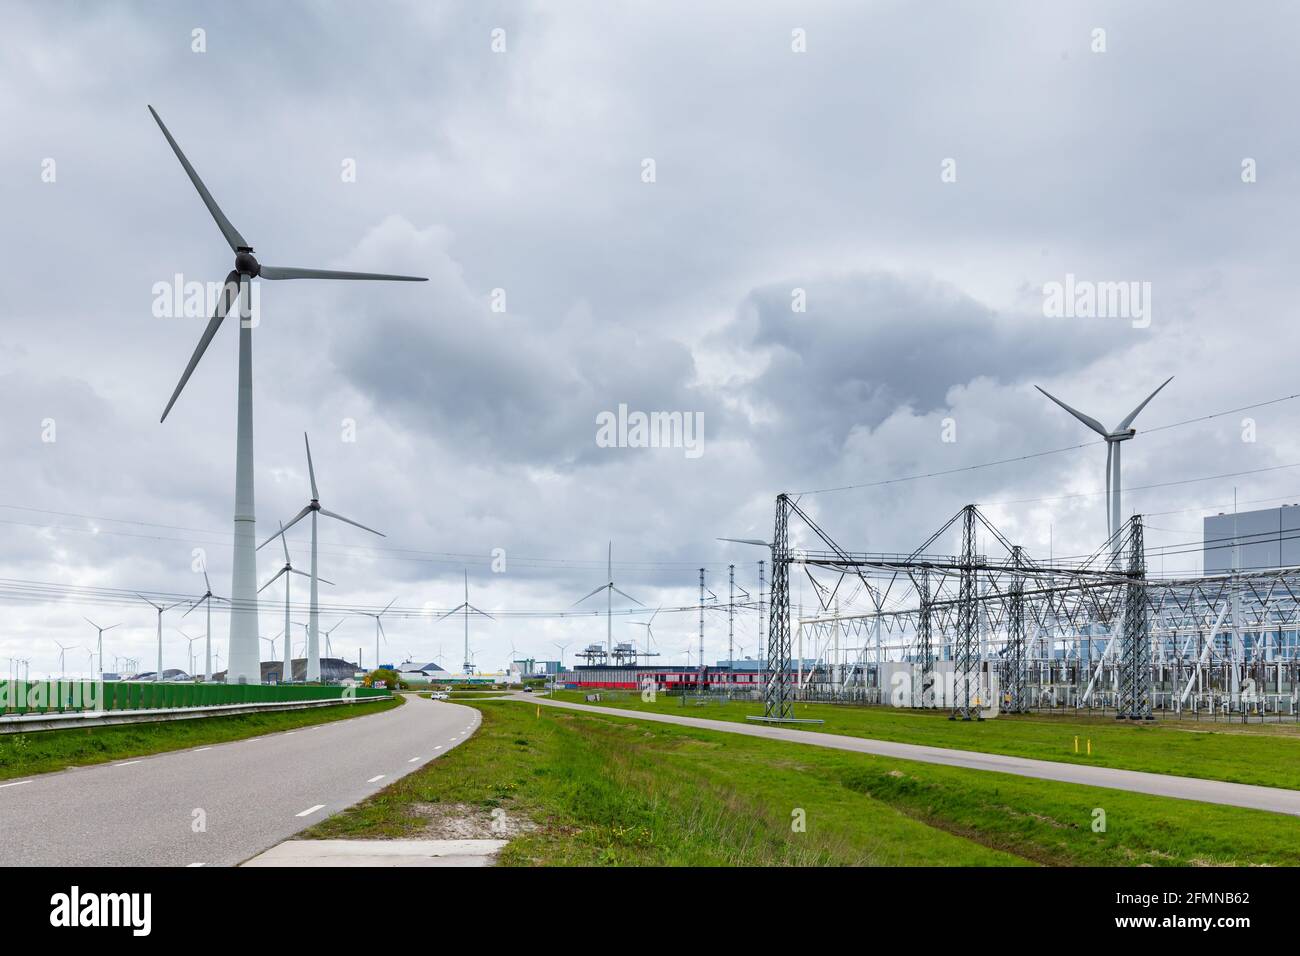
[(1015, 677), (776, 694), (1135, 639), (966, 654), (924, 640)]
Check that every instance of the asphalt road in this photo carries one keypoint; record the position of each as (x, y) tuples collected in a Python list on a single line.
[(1275, 799), (249, 794)]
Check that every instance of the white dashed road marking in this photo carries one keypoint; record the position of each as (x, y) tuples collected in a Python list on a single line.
[(127, 764), (375, 778), (16, 783), (310, 810), (413, 760), (199, 751)]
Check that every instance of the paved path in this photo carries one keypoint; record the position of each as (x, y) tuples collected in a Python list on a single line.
[(250, 794), (1275, 799)]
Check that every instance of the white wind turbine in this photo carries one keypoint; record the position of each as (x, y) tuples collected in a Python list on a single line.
[(379, 629), (99, 644), (207, 599), (243, 665), (467, 608), (285, 572), (313, 614), (1114, 437), (649, 629), (63, 663), (158, 676), (609, 600)]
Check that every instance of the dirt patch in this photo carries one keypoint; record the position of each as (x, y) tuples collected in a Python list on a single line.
[(461, 821)]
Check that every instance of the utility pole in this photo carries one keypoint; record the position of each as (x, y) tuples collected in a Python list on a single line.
[(700, 681), (762, 620), (731, 616)]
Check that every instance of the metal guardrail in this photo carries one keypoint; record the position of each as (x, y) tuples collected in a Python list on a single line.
[(70, 697)]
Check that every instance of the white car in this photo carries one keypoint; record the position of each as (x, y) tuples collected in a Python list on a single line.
[(438, 695)]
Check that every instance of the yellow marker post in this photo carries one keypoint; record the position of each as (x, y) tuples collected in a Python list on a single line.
[(539, 710), (1076, 744), (1089, 746)]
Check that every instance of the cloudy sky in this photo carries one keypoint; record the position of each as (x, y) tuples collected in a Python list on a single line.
[(915, 174)]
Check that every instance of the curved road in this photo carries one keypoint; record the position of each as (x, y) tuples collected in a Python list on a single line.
[(248, 795), (1275, 799)]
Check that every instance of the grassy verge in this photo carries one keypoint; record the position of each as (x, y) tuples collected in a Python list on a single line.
[(47, 750), (1264, 754), (613, 791)]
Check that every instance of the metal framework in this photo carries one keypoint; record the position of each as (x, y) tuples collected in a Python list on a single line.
[(981, 633)]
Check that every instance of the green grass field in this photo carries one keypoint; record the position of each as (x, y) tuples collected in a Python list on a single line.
[(614, 791), (1264, 754), (46, 750)]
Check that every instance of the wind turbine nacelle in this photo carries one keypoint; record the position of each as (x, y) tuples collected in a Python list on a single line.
[(246, 264), (1123, 436)]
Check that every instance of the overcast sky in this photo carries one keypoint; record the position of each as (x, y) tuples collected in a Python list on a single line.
[(920, 171)]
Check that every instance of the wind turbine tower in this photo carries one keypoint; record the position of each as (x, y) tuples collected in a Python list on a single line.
[(466, 607)]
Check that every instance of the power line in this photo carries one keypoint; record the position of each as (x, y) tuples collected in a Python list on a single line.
[(1039, 454)]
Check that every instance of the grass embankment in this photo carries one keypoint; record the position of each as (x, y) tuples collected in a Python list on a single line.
[(1264, 754), (614, 791), (22, 754)]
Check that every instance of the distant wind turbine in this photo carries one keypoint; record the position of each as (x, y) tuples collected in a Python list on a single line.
[(158, 676), (313, 614), (63, 663), (379, 629), (284, 572), (1121, 433), (207, 599), (100, 641), (467, 608), (610, 590), (243, 665)]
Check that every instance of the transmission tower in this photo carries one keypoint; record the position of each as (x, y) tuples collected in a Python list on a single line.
[(924, 640), (1015, 676), (777, 702), (966, 653), (1135, 639)]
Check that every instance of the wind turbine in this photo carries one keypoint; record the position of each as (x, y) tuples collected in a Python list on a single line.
[(313, 615), (100, 643), (63, 663), (244, 665), (284, 572), (191, 640), (329, 652), (160, 609), (609, 601), (649, 630), (207, 599), (1121, 433), (467, 607), (379, 629), (271, 641)]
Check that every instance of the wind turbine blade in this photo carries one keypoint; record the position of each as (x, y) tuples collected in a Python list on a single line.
[(147, 601), (206, 582), (478, 611), (285, 527), (386, 607), (338, 517), (450, 613), (192, 607), (1086, 419), (111, 626), (656, 614), (1123, 426), (229, 292), (229, 231), (289, 272), (761, 544), (1110, 454), (278, 574), (304, 574), (284, 541), (382, 632), (592, 594), (628, 596), (90, 622), (310, 470)]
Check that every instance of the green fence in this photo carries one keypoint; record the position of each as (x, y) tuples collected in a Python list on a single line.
[(73, 696)]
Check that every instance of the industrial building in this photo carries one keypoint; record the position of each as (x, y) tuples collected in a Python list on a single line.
[(1252, 540)]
